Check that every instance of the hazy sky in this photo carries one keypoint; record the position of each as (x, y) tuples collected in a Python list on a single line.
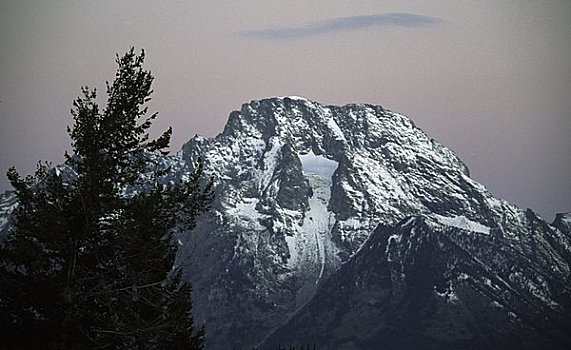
[(489, 79)]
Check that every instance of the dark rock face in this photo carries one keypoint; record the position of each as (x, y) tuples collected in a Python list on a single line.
[(421, 285), (350, 228), (563, 223), (294, 190)]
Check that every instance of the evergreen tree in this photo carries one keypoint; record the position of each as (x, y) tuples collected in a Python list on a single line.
[(86, 265)]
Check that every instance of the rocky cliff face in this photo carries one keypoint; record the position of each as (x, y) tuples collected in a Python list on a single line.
[(349, 227), (432, 283)]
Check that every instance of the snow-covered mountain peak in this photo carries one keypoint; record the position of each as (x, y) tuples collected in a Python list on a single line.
[(300, 186), (330, 129), (386, 168), (380, 168)]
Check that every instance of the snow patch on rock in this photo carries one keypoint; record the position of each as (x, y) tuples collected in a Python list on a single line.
[(461, 222)]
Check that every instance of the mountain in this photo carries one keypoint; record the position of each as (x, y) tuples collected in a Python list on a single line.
[(348, 227), (426, 284)]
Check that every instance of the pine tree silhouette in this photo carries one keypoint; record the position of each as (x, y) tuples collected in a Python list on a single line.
[(85, 265)]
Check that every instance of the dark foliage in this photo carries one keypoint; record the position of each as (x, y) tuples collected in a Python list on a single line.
[(86, 266)]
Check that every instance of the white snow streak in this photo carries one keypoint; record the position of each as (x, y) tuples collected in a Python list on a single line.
[(463, 223), (336, 130), (312, 240)]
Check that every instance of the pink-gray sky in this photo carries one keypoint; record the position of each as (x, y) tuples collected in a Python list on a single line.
[(489, 79)]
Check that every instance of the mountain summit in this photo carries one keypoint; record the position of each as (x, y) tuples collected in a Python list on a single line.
[(349, 225), (349, 228)]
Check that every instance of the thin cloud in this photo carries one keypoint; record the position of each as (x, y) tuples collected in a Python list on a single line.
[(342, 24)]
